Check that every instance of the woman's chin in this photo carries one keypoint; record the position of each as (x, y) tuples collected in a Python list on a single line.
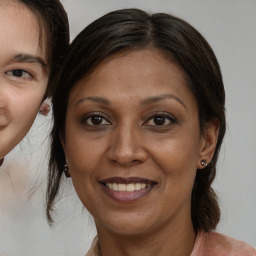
[(124, 224)]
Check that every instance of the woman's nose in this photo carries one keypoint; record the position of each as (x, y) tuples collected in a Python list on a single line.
[(127, 147)]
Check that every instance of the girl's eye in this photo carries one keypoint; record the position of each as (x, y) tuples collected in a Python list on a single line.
[(20, 73), (96, 120), (161, 120)]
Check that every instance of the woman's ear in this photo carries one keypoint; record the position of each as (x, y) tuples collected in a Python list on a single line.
[(208, 143)]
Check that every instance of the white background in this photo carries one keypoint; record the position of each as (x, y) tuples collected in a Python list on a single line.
[(230, 28)]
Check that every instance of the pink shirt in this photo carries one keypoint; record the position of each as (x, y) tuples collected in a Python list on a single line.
[(207, 244), (216, 244)]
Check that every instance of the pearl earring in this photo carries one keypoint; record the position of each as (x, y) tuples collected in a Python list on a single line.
[(67, 171), (203, 163)]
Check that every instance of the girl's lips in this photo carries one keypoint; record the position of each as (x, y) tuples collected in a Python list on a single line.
[(125, 190)]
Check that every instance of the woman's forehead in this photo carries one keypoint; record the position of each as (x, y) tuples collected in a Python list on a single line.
[(133, 75)]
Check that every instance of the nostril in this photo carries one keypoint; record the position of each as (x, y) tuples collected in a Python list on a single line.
[(136, 161), (128, 159)]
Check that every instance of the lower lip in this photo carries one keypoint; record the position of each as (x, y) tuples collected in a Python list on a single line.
[(126, 197)]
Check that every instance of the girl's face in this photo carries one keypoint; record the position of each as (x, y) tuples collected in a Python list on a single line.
[(133, 143), (23, 73)]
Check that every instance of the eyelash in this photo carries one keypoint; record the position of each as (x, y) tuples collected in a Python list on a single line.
[(104, 121), (27, 74)]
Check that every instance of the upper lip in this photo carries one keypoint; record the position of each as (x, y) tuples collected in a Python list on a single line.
[(121, 180)]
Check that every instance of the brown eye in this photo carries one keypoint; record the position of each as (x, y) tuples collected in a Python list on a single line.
[(159, 120), (96, 120)]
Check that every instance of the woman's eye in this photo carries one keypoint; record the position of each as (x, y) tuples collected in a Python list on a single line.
[(160, 120), (96, 120), (20, 73)]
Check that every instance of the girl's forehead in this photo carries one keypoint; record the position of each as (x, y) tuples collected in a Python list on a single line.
[(21, 31)]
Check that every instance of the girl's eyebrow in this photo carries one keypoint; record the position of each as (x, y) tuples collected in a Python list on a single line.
[(27, 58), (157, 98)]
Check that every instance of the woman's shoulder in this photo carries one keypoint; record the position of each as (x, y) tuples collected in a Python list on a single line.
[(216, 244)]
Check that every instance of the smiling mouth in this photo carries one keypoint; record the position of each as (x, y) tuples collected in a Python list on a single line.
[(127, 189)]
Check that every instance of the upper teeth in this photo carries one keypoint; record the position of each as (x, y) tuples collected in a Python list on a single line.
[(126, 187)]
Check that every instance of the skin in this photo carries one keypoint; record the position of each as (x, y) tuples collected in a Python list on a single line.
[(23, 73), (126, 97)]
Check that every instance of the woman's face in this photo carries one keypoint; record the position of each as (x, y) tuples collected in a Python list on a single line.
[(23, 73), (133, 143)]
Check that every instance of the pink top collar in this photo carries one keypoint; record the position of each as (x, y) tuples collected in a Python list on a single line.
[(207, 244)]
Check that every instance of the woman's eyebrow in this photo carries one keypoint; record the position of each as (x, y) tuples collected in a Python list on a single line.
[(157, 98), (27, 58), (95, 99)]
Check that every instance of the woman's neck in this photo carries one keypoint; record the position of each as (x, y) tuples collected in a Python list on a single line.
[(177, 241)]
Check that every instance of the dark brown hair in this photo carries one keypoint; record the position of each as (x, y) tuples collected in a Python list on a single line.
[(53, 22), (135, 29)]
